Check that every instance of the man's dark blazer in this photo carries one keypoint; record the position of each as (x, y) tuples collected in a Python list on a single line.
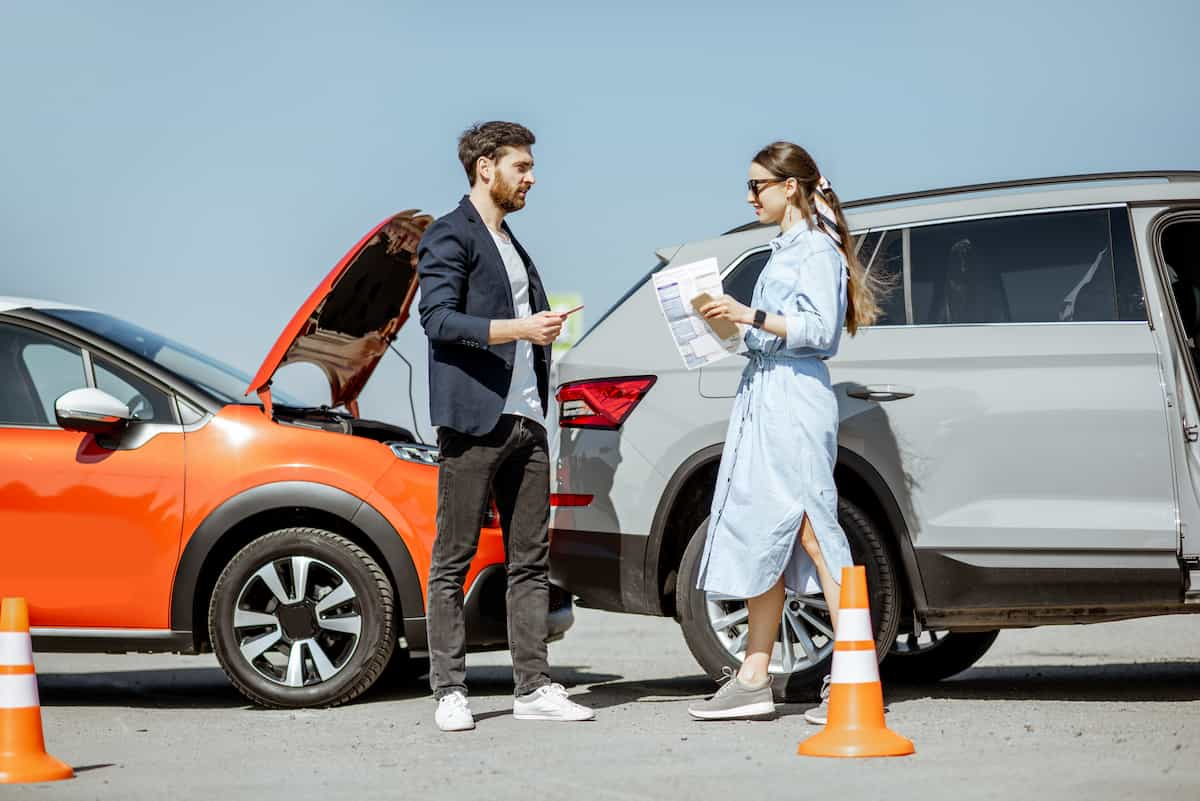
[(464, 286)]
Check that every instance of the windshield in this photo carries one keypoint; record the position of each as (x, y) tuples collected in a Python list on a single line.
[(226, 383)]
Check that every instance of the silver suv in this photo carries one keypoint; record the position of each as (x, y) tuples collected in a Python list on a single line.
[(1018, 441)]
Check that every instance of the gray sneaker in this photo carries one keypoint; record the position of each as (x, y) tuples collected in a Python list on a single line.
[(735, 700), (819, 715)]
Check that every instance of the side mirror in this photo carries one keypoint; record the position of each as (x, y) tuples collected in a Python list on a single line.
[(91, 410)]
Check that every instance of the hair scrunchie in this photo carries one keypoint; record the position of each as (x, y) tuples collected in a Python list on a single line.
[(826, 218)]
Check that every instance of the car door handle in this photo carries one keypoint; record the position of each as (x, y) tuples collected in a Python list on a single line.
[(881, 393)]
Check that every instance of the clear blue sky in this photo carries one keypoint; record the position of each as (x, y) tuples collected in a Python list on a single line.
[(198, 168)]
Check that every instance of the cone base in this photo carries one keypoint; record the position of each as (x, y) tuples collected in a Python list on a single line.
[(875, 742), (25, 768)]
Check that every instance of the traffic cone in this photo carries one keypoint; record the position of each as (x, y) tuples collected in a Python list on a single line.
[(23, 756), (856, 727)]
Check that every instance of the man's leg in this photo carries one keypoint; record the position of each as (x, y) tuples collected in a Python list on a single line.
[(464, 479), (523, 500)]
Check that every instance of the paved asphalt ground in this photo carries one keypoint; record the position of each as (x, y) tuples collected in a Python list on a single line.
[(1090, 712)]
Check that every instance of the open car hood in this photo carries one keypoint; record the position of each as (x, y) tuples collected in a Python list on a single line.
[(349, 320)]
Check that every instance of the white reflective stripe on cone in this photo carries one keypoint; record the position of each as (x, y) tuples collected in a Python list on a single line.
[(19, 691), (854, 667), (854, 625), (16, 648)]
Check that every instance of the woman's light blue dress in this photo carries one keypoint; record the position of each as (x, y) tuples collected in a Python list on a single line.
[(781, 445)]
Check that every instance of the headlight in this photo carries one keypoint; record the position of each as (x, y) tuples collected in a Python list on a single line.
[(410, 452)]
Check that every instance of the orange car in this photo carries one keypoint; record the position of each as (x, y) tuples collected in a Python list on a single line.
[(147, 505)]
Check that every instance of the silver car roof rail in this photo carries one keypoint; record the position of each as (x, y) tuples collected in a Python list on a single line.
[(1169, 175)]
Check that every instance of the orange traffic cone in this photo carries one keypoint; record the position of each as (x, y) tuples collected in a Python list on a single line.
[(23, 756), (856, 727)]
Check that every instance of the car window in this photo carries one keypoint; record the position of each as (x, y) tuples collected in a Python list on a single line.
[(38, 370), (881, 253), (146, 402), (1131, 302), (740, 283), (220, 380), (1055, 267)]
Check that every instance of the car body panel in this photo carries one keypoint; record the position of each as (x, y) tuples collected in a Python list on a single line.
[(347, 323), (95, 532), (1024, 415), (240, 448), (133, 562)]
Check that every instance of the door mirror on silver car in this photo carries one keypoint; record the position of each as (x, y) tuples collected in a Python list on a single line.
[(91, 410)]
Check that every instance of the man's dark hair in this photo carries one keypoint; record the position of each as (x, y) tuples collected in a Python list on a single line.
[(490, 140)]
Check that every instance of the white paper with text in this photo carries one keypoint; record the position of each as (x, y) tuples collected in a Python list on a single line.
[(696, 341)]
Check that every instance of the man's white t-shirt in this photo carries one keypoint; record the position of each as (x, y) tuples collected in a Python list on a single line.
[(523, 397)]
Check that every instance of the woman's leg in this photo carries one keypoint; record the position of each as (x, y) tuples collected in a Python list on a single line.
[(830, 588), (766, 611)]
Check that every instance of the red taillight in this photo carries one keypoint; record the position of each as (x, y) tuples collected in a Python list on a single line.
[(570, 499), (603, 403)]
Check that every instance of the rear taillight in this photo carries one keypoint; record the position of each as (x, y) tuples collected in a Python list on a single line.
[(602, 403), (570, 499)]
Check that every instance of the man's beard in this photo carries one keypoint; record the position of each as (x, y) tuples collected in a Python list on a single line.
[(506, 196)]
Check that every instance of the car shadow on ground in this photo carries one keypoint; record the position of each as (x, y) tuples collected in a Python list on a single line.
[(1177, 680), (208, 688), (170, 688), (1125, 681)]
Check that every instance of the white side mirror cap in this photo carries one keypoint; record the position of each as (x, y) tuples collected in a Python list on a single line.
[(91, 410)]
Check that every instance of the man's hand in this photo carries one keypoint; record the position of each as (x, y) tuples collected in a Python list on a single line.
[(727, 308), (542, 328)]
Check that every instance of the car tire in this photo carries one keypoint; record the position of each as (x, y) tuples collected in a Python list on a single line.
[(867, 547), (320, 646), (951, 652)]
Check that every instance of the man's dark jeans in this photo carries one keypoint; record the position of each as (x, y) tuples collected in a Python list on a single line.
[(513, 459)]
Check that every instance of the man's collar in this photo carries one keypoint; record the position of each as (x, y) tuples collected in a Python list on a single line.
[(473, 214), (469, 209)]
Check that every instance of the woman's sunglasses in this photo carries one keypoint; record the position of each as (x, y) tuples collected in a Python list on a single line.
[(755, 185)]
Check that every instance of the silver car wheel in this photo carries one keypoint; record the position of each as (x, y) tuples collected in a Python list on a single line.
[(910, 643), (297, 621), (807, 634)]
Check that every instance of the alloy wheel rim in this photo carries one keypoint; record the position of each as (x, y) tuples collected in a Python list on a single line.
[(297, 621), (908, 644), (807, 633)]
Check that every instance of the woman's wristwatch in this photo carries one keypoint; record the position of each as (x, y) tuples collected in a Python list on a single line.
[(760, 318)]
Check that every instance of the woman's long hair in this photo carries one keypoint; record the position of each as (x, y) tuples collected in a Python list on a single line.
[(788, 160)]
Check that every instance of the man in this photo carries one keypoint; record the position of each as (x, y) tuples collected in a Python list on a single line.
[(490, 330)]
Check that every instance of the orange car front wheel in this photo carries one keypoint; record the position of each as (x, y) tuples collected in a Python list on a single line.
[(302, 617)]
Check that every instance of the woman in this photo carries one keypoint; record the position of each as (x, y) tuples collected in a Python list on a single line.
[(776, 475)]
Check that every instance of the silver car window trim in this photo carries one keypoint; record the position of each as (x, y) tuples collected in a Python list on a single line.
[(906, 274), (1000, 214), (1025, 324), (741, 257)]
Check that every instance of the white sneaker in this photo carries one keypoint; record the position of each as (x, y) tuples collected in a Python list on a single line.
[(550, 702), (453, 713)]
